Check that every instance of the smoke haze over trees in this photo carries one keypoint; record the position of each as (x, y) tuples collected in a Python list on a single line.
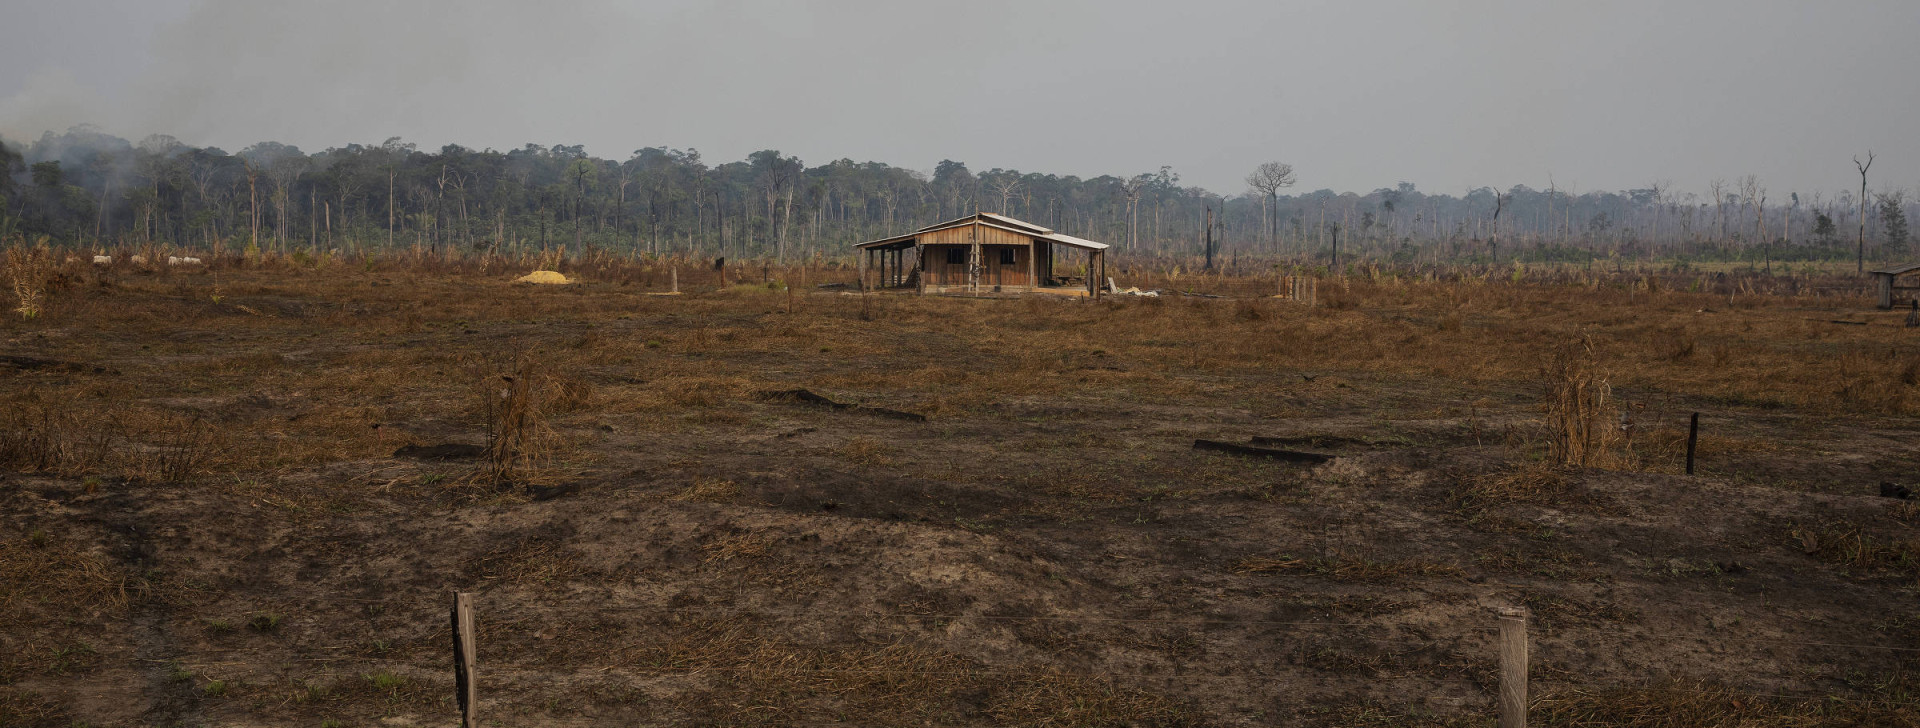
[(86, 188), (1357, 96)]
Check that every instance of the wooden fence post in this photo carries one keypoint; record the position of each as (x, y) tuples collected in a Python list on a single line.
[(1513, 667), (465, 691), (1693, 436)]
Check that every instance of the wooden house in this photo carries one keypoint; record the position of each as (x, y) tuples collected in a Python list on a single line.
[(1896, 285), (981, 253)]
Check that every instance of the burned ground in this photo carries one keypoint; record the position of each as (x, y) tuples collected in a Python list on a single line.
[(203, 520)]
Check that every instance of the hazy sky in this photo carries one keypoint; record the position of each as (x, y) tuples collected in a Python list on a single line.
[(1357, 95)]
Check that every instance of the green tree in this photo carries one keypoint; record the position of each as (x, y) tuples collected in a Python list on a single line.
[(1891, 207)]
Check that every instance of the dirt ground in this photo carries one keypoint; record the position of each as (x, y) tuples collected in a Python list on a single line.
[(203, 519)]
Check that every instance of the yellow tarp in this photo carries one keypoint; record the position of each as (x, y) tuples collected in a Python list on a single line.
[(543, 276)]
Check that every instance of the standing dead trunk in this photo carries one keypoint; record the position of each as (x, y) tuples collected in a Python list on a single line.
[(1860, 262), (253, 211)]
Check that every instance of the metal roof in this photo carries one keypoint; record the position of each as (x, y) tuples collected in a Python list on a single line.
[(897, 241), (1017, 223), (1072, 241), (988, 219), (1897, 270)]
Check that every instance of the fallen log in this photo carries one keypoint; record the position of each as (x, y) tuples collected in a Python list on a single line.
[(807, 396), (448, 451), (1292, 456)]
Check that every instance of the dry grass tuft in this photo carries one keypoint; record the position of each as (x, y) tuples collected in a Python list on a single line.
[(1528, 483), (39, 437), (43, 572), (739, 545), (1846, 545), (708, 490), (1676, 346), (871, 453), (67, 438), (1582, 421), (516, 402), (529, 560), (29, 271), (187, 447)]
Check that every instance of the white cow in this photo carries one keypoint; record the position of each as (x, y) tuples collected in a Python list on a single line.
[(172, 260), (103, 260)]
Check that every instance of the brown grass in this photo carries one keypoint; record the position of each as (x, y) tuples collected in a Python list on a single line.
[(1528, 482), (708, 490), (529, 559), (23, 709), (42, 572), (867, 452), (1850, 546), (39, 437), (517, 401), (883, 683), (28, 270), (1706, 705), (1342, 566), (739, 546), (1582, 421)]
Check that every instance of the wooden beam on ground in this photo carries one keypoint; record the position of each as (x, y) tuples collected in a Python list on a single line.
[(1292, 456)]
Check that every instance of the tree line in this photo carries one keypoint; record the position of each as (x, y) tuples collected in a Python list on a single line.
[(85, 188)]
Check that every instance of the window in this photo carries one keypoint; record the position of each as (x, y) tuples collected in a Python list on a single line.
[(1006, 256), (956, 256)]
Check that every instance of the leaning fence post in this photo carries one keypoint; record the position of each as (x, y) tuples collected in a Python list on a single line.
[(1693, 436), (465, 690), (1513, 667)]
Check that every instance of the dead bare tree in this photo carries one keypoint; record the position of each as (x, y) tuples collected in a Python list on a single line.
[(1752, 195), (1553, 190), (253, 206), (1131, 189), (1860, 261), (1269, 179), (1719, 188), (1493, 234), (1008, 186)]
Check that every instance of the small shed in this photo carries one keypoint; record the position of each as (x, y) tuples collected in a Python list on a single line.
[(1896, 285), (982, 252)]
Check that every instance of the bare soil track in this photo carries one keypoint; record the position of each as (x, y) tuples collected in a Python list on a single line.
[(203, 520)]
